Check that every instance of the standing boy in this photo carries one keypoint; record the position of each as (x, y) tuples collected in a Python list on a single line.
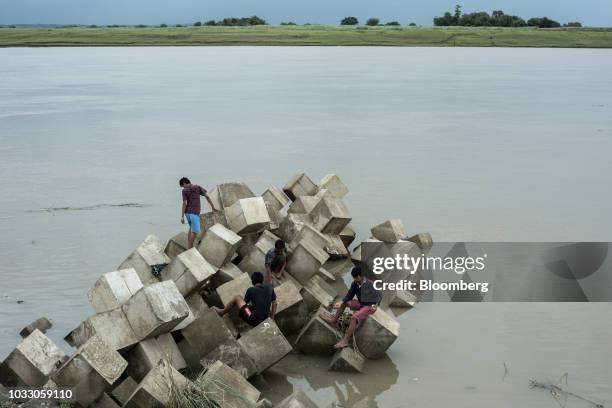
[(191, 208)]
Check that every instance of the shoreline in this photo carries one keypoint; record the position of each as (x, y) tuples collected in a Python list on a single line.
[(490, 37)]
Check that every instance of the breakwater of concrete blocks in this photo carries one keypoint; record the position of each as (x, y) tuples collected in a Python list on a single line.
[(153, 330)]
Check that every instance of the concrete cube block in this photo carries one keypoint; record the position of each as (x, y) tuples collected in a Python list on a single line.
[(124, 390), (146, 354), (376, 334), (219, 245), (348, 360), (248, 216), (156, 309), (42, 324), (254, 261), (265, 344), (226, 194), (206, 333), (338, 267), (104, 402), (113, 289), (300, 185), (307, 232), (297, 400), (291, 311), (303, 205), (176, 245), (330, 215), (238, 286), (389, 231), (275, 197), (224, 384), (347, 235), (93, 368), (335, 186), (207, 220), (112, 327), (224, 274), (305, 261), (318, 337), (316, 293), (231, 354), (159, 386), (291, 225), (189, 271), (335, 247), (149, 254), (31, 363), (275, 217), (404, 299), (423, 240), (197, 306)]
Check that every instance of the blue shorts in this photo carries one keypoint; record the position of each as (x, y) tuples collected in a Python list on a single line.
[(194, 222)]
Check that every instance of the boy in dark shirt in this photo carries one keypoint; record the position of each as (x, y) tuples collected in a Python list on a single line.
[(258, 304), (366, 304), (191, 208), (276, 261)]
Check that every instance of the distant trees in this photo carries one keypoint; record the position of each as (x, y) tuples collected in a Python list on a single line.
[(234, 21), (412, 25), (349, 21), (197, 24), (163, 25), (497, 19), (289, 23), (573, 24), (373, 21), (392, 23)]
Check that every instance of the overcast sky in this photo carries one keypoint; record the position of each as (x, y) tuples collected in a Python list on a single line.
[(589, 12)]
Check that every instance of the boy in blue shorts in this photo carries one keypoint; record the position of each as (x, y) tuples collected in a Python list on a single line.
[(191, 208)]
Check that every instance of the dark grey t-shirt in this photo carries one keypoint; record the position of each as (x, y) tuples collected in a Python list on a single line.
[(260, 297)]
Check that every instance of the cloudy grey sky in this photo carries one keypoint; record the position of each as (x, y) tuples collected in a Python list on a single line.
[(590, 12)]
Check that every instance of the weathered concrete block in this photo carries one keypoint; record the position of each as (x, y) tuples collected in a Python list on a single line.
[(306, 261), (291, 311), (226, 194), (254, 261), (403, 299), (104, 402), (300, 185), (189, 271), (338, 267), (158, 387), (303, 205), (316, 293), (348, 360), (149, 254), (112, 327), (318, 337), (376, 334), (42, 324), (113, 289), (265, 344), (335, 247), (248, 216), (225, 384), (206, 333), (176, 245), (197, 306), (291, 225), (231, 354), (156, 309), (146, 354), (347, 235), (389, 231), (238, 286), (124, 390), (275, 197), (224, 274), (335, 186), (297, 400), (219, 245), (423, 240), (307, 232), (93, 368), (330, 216), (326, 275), (31, 363), (207, 220), (275, 217)]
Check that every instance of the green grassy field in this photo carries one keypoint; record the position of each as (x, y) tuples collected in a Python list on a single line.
[(308, 35)]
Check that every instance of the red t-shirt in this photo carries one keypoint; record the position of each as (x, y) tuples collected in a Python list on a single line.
[(191, 195)]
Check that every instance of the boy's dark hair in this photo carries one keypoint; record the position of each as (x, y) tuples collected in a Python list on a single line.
[(184, 181), (356, 271), (257, 277), (280, 244)]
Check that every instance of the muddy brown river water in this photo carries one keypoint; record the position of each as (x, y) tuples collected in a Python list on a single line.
[(469, 144)]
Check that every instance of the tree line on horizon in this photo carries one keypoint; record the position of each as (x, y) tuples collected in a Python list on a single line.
[(497, 19)]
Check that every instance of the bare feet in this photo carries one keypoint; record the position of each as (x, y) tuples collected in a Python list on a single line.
[(341, 344)]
